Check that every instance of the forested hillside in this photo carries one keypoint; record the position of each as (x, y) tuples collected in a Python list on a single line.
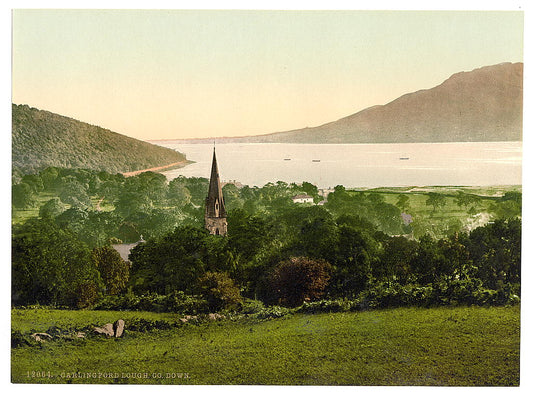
[(42, 139)]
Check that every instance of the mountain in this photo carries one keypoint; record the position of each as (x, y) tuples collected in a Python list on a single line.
[(41, 139), (481, 105)]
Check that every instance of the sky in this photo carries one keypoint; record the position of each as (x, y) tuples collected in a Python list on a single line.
[(164, 74)]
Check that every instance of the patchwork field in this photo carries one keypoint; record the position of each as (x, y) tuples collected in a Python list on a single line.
[(460, 346)]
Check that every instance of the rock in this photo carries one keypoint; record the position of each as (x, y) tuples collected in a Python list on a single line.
[(118, 328), (183, 320), (80, 334), (41, 337), (106, 330), (215, 316)]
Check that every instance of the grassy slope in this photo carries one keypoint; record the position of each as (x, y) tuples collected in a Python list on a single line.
[(406, 346), (438, 223)]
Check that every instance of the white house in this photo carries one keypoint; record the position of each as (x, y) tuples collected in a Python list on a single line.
[(302, 198)]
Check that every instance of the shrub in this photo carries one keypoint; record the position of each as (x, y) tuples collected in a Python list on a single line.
[(113, 269), (326, 306), (87, 294), (273, 312), (177, 302), (453, 292), (252, 307), (219, 290), (299, 279)]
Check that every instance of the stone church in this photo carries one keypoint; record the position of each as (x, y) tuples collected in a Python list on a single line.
[(215, 209)]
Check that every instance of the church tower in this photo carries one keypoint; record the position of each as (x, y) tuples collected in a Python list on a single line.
[(215, 209)]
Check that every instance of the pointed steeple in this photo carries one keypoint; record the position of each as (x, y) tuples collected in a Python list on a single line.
[(215, 200), (215, 208)]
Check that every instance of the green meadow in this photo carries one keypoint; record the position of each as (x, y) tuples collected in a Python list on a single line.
[(450, 217), (450, 346)]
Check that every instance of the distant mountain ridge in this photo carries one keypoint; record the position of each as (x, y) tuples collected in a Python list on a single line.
[(41, 139), (481, 105)]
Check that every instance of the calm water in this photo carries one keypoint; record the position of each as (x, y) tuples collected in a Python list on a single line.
[(358, 165)]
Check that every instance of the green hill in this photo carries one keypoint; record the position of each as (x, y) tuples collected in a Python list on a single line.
[(41, 139)]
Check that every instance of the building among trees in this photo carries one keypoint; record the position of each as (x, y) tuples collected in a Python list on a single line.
[(302, 198), (215, 209)]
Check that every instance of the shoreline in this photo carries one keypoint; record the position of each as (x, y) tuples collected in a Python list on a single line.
[(158, 168)]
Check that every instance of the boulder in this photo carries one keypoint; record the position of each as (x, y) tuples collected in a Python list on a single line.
[(118, 328), (41, 337), (106, 330)]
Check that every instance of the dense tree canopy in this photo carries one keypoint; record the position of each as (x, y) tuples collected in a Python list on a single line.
[(358, 238)]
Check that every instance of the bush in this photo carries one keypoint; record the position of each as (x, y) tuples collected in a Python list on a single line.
[(252, 307), (299, 279), (177, 302), (273, 312), (219, 290), (326, 306), (454, 292), (87, 294)]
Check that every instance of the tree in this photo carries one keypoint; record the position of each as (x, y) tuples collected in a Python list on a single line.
[(388, 218), (74, 219), (247, 234), (74, 193), (495, 250), (425, 260), (436, 200), (52, 208), (403, 201), (508, 206), (232, 197), (198, 187), (395, 262), (50, 265), (219, 290), (174, 262), (22, 196), (311, 189), (35, 182), (465, 200), (352, 268), (178, 194), (130, 202), (299, 279), (151, 185), (114, 271), (49, 177)]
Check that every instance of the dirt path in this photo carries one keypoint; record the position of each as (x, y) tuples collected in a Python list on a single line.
[(159, 168)]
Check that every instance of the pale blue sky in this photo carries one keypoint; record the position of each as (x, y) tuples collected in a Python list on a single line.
[(177, 74)]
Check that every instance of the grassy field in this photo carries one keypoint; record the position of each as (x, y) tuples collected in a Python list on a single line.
[(450, 217), (469, 346)]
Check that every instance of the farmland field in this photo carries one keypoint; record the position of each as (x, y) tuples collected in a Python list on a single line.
[(459, 346)]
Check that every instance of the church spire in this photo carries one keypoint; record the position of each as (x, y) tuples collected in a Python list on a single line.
[(215, 208)]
